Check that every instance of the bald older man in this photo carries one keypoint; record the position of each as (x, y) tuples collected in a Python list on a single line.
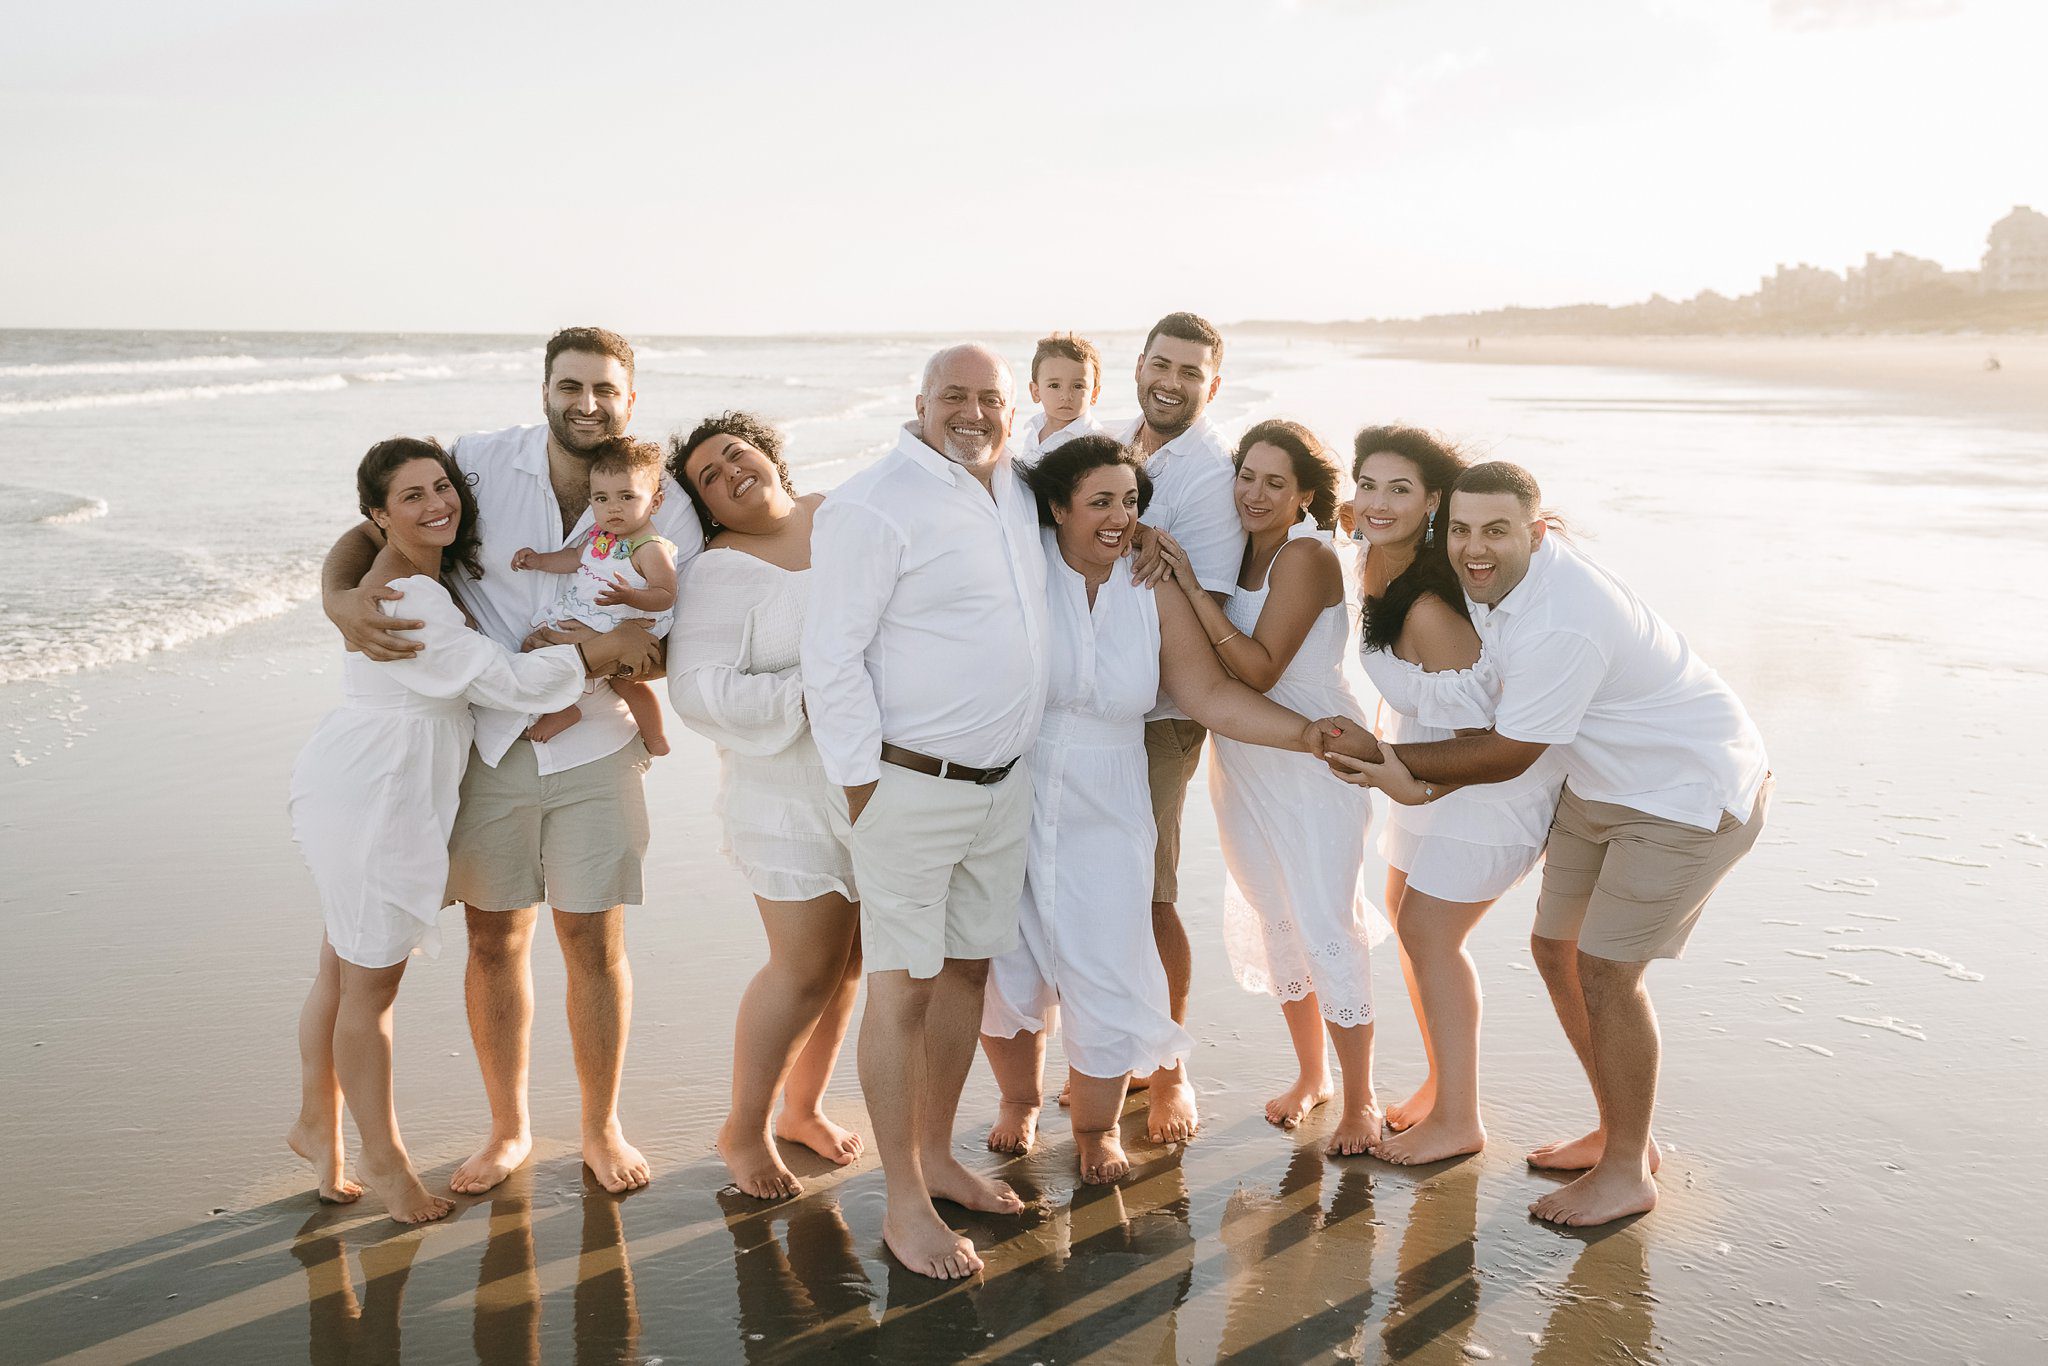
[(924, 666)]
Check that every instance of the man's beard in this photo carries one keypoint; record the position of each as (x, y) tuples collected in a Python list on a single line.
[(576, 442), (1176, 421)]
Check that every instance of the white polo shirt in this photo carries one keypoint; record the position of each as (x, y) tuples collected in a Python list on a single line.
[(1031, 447), (517, 508), (1638, 718), (927, 619)]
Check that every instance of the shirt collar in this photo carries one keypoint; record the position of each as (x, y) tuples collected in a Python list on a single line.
[(531, 455), (1199, 431), (938, 466)]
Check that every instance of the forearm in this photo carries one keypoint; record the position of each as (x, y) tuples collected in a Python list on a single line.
[(648, 599), (1236, 712), (348, 561), (1465, 760)]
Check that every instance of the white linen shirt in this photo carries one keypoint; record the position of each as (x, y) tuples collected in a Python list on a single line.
[(1194, 500), (517, 508), (1639, 719), (1031, 447), (926, 625)]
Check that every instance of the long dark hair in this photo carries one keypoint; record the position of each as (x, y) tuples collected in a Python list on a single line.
[(1315, 469), (373, 486), (1439, 464), (1055, 477)]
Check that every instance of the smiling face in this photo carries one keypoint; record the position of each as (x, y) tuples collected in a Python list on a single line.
[(1391, 504), (422, 510), (737, 481), (1095, 525), (1065, 389), (1176, 380), (1267, 493), (621, 501), (964, 413), (1491, 539), (588, 398)]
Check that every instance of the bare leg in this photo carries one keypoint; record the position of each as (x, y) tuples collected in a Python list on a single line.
[(646, 708), (1625, 1046), (497, 986), (1019, 1066), (952, 1026), (1558, 961), (1312, 1085), (1361, 1125), (803, 1119), (600, 1011), (892, 1060), (1433, 935), (1403, 1113), (1098, 1105), (362, 1059), (554, 723), (808, 942), (1176, 955), (316, 1136)]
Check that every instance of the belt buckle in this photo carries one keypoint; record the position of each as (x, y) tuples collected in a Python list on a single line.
[(990, 777)]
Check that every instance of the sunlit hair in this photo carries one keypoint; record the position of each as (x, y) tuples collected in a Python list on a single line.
[(753, 430), (1068, 346), (1055, 477), (1438, 464), (1501, 476), (373, 487), (1188, 327), (594, 341), (1315, 469), (626, 455)]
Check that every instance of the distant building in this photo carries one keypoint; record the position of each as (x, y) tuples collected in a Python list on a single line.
[(2017, 257), (1801, 289), (1881, 277)]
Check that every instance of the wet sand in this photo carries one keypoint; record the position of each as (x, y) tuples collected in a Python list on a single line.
[(1853, 1080)]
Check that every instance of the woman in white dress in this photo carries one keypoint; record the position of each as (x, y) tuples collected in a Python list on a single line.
[(1295, 918), (373, 796), (1448, 860), (1086, 958), (732, 676)]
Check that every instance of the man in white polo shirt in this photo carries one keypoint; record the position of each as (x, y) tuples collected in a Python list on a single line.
[(1666, 787), (563, 820), (1179, 371), (924, 665)]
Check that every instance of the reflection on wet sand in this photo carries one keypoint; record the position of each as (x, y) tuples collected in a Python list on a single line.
[(1436, 1285), (1603, 1309), (1301, 1270), (343, 1330)]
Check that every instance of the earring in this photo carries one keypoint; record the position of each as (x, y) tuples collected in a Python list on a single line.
[(1429, 529)]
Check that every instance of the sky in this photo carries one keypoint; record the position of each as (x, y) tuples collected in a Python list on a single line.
[(932, 165)]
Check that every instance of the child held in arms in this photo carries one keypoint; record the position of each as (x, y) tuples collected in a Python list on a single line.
[(620, 568), (1066, 380)]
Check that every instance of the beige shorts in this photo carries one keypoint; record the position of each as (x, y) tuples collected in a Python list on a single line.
[(1628, 886), (573, 839), (940, 866), (1173, 750)]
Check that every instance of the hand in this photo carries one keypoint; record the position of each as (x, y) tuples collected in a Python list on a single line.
[(365, 628), (857, 799), (558, 633), (524, 557), (1317, 736), (1153, 555), (1346, 737), (1389, 775), (614, 594), (639, 651)]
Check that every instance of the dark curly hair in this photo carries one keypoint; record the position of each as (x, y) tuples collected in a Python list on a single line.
[(1439, 464), (373, 486), (1315, 470), (755, 431), (1055, 477)]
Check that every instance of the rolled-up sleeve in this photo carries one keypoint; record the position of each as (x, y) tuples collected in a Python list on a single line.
[(856, 557)]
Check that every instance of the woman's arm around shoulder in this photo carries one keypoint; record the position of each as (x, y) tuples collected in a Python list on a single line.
[(1196, 682)]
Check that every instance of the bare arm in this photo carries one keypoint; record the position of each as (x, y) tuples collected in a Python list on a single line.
[(658, 567), (1198, 685), (1463, 760), (1437, 637), (563, 561), (1303, 584), (352, 605)]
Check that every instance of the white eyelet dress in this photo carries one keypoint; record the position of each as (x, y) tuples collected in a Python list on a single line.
[(1474, 844), (1296, 918), (733, 678)]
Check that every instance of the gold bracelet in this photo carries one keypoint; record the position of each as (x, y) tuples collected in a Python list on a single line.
[(1219, 644)]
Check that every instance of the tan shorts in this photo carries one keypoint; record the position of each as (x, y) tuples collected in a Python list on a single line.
[(574, 839), (1628, 886), (940, 866), (1173, 750)]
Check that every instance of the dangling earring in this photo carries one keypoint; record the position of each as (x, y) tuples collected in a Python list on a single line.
[(1429, 529)]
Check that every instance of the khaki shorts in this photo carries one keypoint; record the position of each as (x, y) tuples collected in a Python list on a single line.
[(1173, 750), (940, 867), (1629, 886), (574, 839)]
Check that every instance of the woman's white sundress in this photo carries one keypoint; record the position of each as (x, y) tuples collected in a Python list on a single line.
[(733, 678), (374, 791), (1296, 918), (1085, 957)]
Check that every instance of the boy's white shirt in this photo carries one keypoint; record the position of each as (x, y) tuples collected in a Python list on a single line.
[(1031, 447)]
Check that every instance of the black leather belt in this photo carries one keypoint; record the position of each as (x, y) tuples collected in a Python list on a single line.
[(943, 768)]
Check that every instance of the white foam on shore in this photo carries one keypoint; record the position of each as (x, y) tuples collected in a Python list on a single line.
[(1939, 960), (165, 629), (1889, 1023), (168, 366), (131, 398)]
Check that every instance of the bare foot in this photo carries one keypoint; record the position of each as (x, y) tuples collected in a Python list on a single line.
[(1406, 1114), (321, 1145), (1015, 1129), (615, 1163), (1172, 1117), (1601, 1196), (1435, 1139), (405, 1199), (1357, 1130), (490, 1164), (554, 723), (924, 1244), (656, 744), (755, 1165), (835, 1143), (1581, 1154), (1292, 1106), (946, 1179), (1101, 1156)]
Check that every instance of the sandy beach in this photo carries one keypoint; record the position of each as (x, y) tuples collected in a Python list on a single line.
[(1853, 1076)]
